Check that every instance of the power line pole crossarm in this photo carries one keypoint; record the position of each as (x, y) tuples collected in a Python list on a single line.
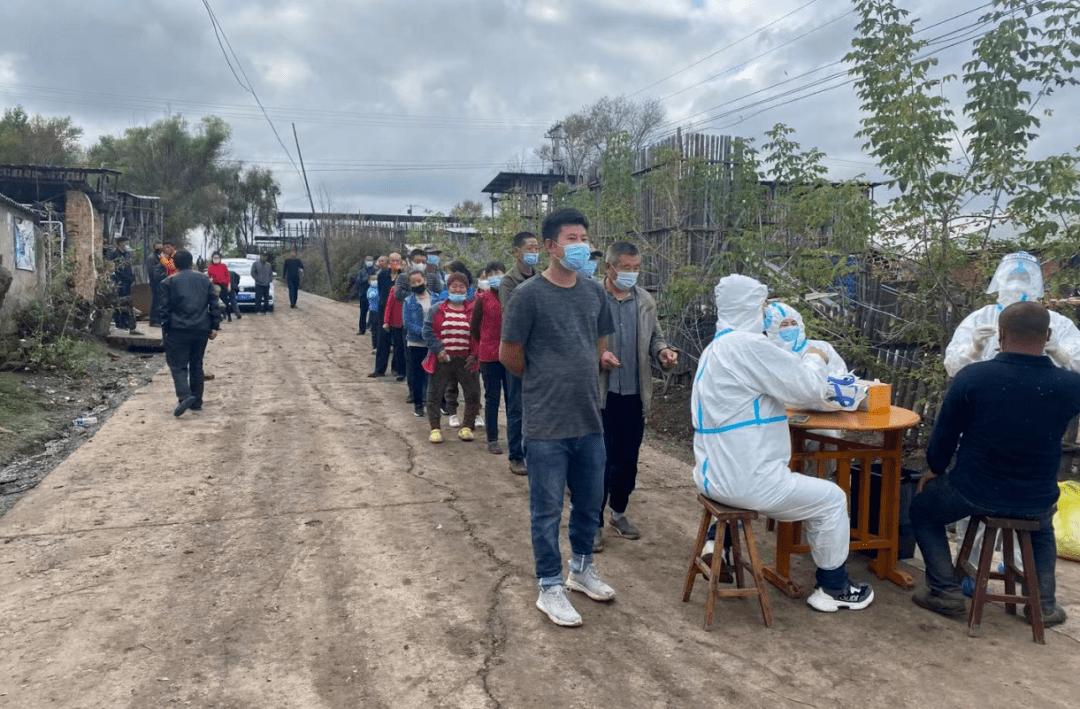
[(314, 217)]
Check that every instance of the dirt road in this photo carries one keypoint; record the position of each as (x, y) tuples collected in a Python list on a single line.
[(300, 544)]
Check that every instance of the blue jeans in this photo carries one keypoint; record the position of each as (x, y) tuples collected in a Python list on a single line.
[(940, 504), (294, 287), (575, 463), (514, 440)]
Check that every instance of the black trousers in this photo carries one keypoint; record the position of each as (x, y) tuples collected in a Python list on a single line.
[(624, 427), (262, 298), (123, 317), (154, 285), (395, 340), (494, 375), (364, 307), (184, 351)]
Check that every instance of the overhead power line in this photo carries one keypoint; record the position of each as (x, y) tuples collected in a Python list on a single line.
[(759, 30)]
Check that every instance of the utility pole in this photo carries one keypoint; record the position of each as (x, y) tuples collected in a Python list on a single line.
[(314, 217)]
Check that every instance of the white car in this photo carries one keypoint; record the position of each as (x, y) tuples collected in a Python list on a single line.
[(245, 295)]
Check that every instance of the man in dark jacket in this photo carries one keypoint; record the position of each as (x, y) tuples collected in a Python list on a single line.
[(190, 315), (123, 276), (1000, 425), (155, 274)]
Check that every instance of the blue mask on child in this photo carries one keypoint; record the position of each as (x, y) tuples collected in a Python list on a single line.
[(433, 259), (494, 281)]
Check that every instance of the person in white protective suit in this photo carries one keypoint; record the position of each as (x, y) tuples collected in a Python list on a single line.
[(785, 328), (1018, 277), (741, 440)]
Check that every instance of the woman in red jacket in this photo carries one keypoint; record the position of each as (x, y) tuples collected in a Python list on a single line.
[(485, 327), (219, 276)]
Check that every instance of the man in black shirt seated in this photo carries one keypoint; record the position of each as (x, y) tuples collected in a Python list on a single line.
[(1004, 420)]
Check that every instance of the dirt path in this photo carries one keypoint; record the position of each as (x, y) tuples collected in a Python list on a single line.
[(300, 544)]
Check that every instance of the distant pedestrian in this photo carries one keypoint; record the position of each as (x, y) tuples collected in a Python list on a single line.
[(220, 276), (451, 357), (526, 258), (123, 276), (155, 274), (190, 315), (263, 275), (234, 289), (626, 389), (414, 312), (486, 327), (293, 269), (552, 337), (374, 322), (363, 278), (166, 258), (387, 278)]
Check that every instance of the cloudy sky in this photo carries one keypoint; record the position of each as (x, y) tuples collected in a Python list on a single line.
[(408, 102)]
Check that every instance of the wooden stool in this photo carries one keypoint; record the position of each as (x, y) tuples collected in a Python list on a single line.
[(727, 518), (1023, 529)]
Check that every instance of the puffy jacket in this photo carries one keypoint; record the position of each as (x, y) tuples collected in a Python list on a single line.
[(219, 274), (392, 314), (186, 301), (486, 325)]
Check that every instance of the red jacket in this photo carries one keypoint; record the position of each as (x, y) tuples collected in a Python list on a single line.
[(487, 325), (392, 316), (219, 273)]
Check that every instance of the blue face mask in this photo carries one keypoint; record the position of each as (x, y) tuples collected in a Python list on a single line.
[(494, 281), (588, 269), (789, 334), (433, 259), (575, 256), (369, 264), (457, 297), (530, 259), (625, 280)]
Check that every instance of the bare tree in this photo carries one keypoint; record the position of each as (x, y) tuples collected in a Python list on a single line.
[(580, 139)]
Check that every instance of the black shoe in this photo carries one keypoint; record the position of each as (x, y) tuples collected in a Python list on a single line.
[(400, 378), (238, 316), (951, 605), (197, 407), (374, 375), (418, 412), (183, 406), (1050, 616)]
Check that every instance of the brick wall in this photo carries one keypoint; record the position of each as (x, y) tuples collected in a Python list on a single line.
[(83, 226)]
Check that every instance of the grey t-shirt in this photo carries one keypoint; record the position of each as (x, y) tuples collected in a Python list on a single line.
[(558, 329)]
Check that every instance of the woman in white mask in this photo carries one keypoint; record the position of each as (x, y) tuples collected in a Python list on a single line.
[(1018, 277)]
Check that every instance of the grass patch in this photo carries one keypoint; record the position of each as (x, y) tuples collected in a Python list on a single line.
[(22, 416)]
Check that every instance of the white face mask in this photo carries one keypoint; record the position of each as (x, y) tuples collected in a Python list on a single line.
[(484, 284)]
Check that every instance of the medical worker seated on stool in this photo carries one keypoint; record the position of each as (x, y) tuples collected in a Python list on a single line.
[(1018, 278), (741, 441)]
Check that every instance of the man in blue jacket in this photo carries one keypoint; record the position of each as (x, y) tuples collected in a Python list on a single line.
[(1003, 419), (190, 316)]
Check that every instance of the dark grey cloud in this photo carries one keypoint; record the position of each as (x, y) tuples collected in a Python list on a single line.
[(378, 90)]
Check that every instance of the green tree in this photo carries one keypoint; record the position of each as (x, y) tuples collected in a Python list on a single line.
[(36, 140), (184, 165), (943, 162), (252, 208)]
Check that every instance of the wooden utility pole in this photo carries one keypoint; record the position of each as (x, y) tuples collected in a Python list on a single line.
[(314, 217)]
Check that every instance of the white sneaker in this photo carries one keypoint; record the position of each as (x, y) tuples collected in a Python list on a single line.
[(589, 583), (554, 602), (853, 598), (707, 550), (479, 423), (455, 422)]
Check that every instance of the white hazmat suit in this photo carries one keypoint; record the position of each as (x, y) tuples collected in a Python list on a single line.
[(1018, 277), (741, 442)]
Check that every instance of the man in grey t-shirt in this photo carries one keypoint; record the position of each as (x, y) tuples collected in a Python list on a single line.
[(552, 337)]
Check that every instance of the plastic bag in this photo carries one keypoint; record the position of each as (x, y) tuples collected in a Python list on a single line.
[(844, 394), (1067, 521)]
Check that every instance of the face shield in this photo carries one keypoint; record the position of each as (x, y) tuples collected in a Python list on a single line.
[(1018, 277), (778, 327)]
